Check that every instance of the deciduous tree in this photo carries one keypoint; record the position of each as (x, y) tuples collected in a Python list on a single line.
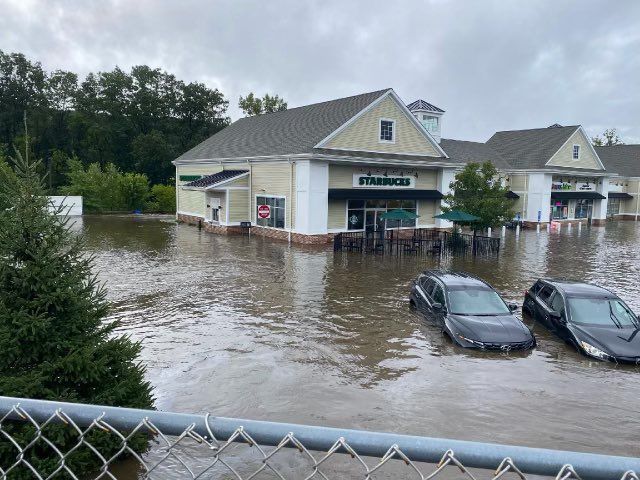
[(252, 105), (609, 138), (478, 190)]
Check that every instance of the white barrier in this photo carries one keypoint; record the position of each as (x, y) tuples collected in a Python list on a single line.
[(71, 206)]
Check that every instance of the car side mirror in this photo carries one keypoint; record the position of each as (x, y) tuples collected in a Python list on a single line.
[(437, 307), (513, 307), (557, 316)]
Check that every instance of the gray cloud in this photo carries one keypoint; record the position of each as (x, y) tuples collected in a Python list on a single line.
[(492, 65)]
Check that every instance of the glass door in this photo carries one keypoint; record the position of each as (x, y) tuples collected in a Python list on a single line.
[(373, 220)]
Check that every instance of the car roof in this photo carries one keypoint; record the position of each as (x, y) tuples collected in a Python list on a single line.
[(457, 279), (578, 289)]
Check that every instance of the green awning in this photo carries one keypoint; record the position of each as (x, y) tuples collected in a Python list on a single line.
[(457, 216), (399, 214)]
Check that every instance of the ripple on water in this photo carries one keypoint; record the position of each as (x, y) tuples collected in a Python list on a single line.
[(255, 328)]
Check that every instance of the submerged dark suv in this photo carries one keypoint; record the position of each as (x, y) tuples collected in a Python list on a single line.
[(591, 318), (469, 311)]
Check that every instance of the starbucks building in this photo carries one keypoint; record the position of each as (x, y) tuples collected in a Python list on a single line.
[(307, 173)]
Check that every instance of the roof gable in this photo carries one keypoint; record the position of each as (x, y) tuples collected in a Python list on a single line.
[(588, 158), (289, 132), (530, 149), (361, 133)]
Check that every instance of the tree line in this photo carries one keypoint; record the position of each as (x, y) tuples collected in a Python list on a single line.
[(139, 121)]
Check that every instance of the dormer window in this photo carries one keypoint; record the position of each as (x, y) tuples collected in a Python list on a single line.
[(387, 131), (430, 123), (576, 152)]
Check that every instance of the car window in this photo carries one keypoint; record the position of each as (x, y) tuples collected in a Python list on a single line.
[(557, 303), (438, 295), (545, 293), (427, 285), (601, 311), (536, 287)]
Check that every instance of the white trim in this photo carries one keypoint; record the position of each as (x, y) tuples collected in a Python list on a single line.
[(381, 161), (191, 214), (255, 210), (593, 150), (393, 130), (243, 159), (573, 149)]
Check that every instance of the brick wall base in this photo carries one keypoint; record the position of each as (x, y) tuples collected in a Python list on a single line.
[(627, 216), (255, 230)]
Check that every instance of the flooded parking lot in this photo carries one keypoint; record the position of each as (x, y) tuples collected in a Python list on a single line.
[(255, 328)]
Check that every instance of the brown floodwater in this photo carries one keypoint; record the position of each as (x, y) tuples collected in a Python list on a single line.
[(255, 328)]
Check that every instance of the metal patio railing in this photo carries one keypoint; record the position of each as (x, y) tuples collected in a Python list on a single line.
[(420, 241), (204, 446)]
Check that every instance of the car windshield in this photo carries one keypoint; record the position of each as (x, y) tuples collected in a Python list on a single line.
[(474, 301), (601, 311)]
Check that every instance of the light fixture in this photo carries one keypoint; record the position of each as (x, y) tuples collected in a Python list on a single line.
[(369, 173), (385, 174)]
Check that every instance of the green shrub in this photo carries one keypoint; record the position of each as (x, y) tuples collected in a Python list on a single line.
[(163, 198)]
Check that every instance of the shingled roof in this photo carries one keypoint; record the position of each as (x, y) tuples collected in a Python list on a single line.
[(288, 132), (216, 178), (621, 159), (461, 151), (422, 105), (530, 148)]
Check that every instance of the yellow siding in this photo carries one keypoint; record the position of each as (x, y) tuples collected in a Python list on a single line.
[(239, 206), (273, 179), (241, 182), (341, 176), (191, 202), (337, 217), (426, 210), (363, 133), (517, 183), (564, 156)]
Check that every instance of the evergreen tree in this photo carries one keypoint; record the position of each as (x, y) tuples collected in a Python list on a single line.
[(54, 339)]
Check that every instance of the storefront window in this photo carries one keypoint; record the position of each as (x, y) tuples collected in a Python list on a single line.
[(583, 208), (360, 210), (559, 209), (613, 207), (276, 219), (355, 215)]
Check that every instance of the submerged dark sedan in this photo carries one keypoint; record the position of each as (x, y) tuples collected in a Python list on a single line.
[(592, 319), (469, 311)]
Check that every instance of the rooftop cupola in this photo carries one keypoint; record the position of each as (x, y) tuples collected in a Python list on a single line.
[(429, 116)]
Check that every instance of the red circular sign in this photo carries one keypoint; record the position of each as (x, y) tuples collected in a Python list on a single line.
[(264, 211)]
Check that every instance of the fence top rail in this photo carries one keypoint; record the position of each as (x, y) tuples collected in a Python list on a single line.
[(365, 443)]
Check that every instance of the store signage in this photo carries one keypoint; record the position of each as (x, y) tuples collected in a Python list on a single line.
[(189, 178), (362, 180), (561, 186), (580, 186), (264, 211)]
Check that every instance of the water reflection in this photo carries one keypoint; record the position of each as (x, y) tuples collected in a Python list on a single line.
[(260, 329)]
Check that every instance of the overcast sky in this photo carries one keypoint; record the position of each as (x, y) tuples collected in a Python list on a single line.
[(492, 65)]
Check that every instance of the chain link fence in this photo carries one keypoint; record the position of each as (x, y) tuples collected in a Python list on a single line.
[(207, 447)]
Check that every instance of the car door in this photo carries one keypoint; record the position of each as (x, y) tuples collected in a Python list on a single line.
[(423, 289), (556, 304), (541, 307), (439, 297)]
